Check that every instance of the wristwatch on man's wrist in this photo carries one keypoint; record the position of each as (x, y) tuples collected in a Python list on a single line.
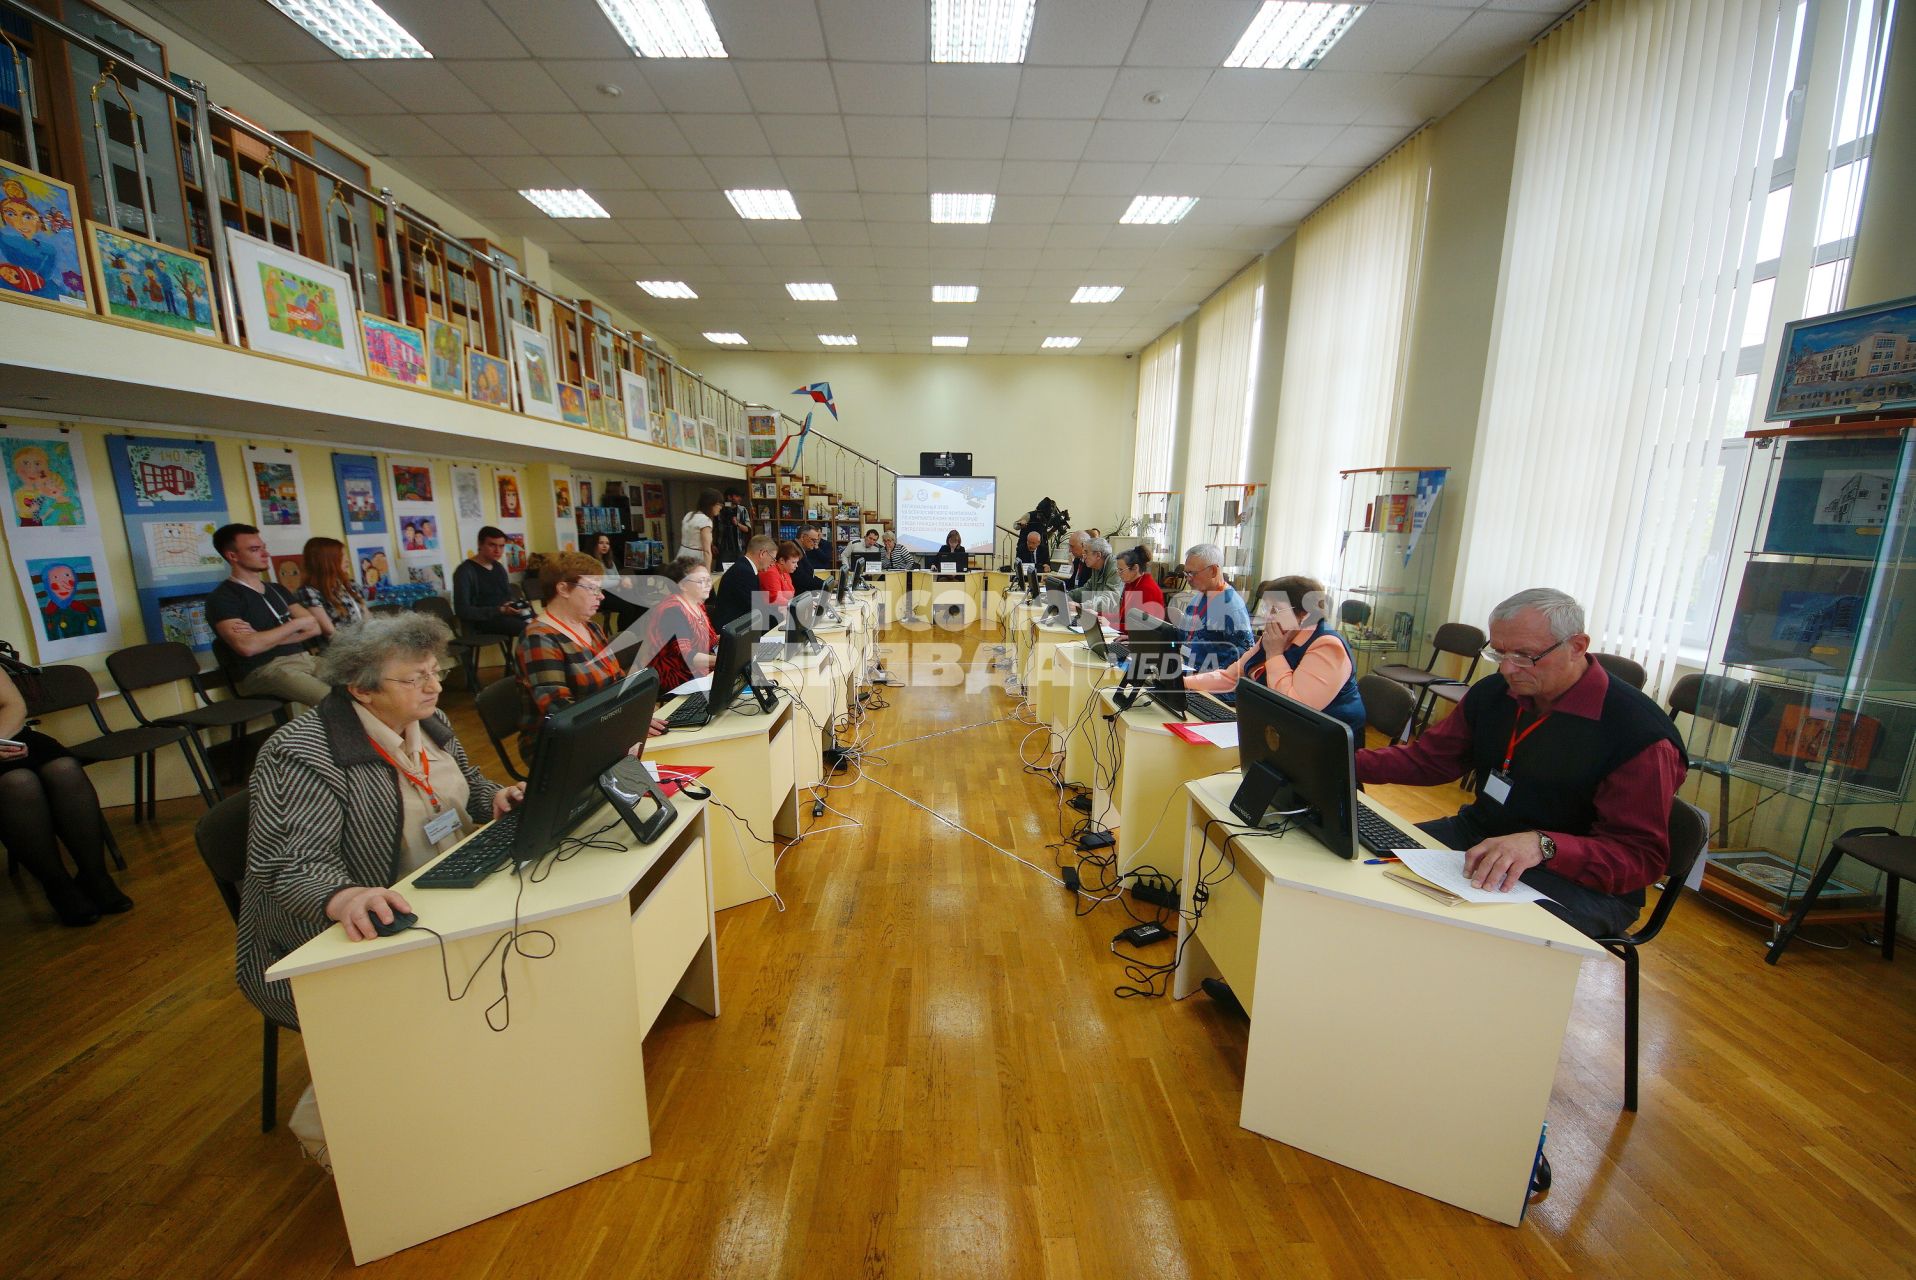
[(1547, 846)]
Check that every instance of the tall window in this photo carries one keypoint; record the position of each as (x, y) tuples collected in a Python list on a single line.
[(1668, 211), (1158, 368), (1357, 268), (1221, 393)]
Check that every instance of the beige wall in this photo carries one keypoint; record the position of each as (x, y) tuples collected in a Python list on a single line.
[(1058, 426)]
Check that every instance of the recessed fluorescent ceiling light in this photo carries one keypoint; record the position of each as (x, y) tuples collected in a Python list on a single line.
[(353, 28), (1158, 210), (1097, 293), (665, 28), (953, 206), (951, 341), (980, 30), (839, 339), (667, 288), (1062, 344), (954, 293), (565, 204), (812, 292), (1291, 36), (726, 339), (764, 204)]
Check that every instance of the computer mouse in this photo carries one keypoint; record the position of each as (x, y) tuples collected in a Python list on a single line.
[(402, 921)]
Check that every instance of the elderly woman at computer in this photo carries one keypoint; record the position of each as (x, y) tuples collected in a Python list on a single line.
[(352, 797), (1297, 655), (564, 657)]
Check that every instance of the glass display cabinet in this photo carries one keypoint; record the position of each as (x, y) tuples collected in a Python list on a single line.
[(1387, 544), (1234, 519), (1156, 514)]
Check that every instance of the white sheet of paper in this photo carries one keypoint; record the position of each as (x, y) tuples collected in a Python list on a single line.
[(697, 684), (1445, 868), (1223, 734)]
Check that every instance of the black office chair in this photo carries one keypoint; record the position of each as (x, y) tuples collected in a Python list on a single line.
[(1388, 706), (1353, 613), (466, 643), (63, 686), (1628, 670), (221, 837), (1689, 831), (1723, 700), (1457, 638), (499, 707), (1888, 851), (145, 666)]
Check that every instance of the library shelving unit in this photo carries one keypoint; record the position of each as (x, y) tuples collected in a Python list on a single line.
[(1156, 514), (1387, 544), (1806, 719), (1234, 520)]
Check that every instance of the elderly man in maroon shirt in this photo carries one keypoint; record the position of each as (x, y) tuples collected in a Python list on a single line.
[(1575, 770)]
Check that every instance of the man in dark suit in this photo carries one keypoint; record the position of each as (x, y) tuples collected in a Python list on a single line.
[(738, 592), (818, 555)]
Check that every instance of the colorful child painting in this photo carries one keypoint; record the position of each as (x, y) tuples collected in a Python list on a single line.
[(487, 378), (278, 493), (572, 405), (509, 508), (152, 284), (39, 243), (412, 484), (374, 569), (447, 348), (67, 596), (41, 477), (301, 308)]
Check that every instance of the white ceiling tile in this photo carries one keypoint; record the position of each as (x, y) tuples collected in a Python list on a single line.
[(521, 172), (702, 85), (400, 135), (625, 205), (962, 175), (750, 173), (1083, 33), (881, 174), (709, 230), (561, 134), (1139, 141), (769, 28), (450, 173), (955, 138), (840, 234), (902, 236), (1487, 42), (1250, 181), (1107, 179), (1029, 235), (1359, 145), (642, 135), (1015, 210), (1047, 139), (1245, 94), (968, 90), (1290, 143), (550, 30), (801, 87), (1392, 37), (513, 86), (600, 174), (1417, 98), (585, 83), (322, 84), (1093, 207), (675, 173), (723, 135), (1190, 33), (790, 255), (456, 31), (780, 232), (883, 136), (836, 206), (1216, 211), (1319, 182), (875, 30), (882, 206), (1335, 97), (1210, 142), (880, 88), (419, 84), (1176, 90), (1183, 179), (248, 32), (819, 173), (1064, 93), (1035, 177), (806, 135), (480, 134)]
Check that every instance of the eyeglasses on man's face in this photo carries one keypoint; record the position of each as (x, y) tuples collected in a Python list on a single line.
[(1518, 658)]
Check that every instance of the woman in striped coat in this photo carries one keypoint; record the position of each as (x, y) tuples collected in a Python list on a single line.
[(346, 800)]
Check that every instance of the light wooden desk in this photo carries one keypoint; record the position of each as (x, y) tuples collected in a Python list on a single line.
[(1079, 727), (964, 592), (1041, 662), (434, 1121), (1152, 764), (885, 590), (815, 680), (751, 760), (1397, 1036)]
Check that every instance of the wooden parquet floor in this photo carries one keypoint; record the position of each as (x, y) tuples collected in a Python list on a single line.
[(922, 1070)]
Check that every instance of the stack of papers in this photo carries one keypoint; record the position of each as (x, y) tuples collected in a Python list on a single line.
[(1443, 870), (1223, 734)]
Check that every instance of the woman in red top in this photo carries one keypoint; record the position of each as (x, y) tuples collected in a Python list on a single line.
[(1141, 590), (775, 579), (679, 638)]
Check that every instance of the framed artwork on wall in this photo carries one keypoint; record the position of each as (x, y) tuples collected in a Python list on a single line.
[(537, 370), (41, 260), (572, 407), (394, 352), (445, 357), (293, 306), (488, 379), (1858, 360), (151, 284)]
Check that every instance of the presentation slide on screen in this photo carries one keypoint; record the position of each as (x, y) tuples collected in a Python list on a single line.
[(929, 507)]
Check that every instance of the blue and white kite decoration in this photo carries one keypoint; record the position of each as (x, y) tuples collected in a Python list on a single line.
[(820, 392)]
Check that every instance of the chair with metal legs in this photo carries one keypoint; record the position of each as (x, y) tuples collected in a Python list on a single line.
[(145, 666)]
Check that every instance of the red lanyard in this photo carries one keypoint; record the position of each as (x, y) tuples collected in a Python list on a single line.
[(1516, 738), (425, 766), (583, 641)]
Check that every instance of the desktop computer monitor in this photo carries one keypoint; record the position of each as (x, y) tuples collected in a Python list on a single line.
[(731, 670), (1298, 764), (1154, 666), (870, 562), (575, 745)]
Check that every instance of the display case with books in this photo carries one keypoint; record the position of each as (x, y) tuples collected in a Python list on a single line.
[(1387, 543), (1156, 514), (1234, 520), (1806, 720)]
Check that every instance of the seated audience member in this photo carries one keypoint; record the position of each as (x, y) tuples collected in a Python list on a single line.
[(482, 594), (562, 657), (46, 801), (1142, 594), (264, 629), (1075, 544), (327, 587), (817, 558), (868, 546), (1299, 655), (738, 589), (896, 557), (1032, 551), (952, 553), (1100, 589), (680, 640), (1576, 770), (775, 579), (1215, 623)]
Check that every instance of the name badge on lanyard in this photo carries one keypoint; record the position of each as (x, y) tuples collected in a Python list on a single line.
[(1496, 787), (442, 825)]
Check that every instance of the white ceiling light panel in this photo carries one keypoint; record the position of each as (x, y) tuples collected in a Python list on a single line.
[(950, 340), (665, 28), (821, 292), (764, 204), (981, 30), (1097, 293), (571, 203), (353, 28), (1157, 211), (666, 288), (839, 339), (1289, 35), (1055, 343), (954, 293), (726, 339), (959, 206)]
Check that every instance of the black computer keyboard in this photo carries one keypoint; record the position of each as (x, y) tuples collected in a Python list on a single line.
[(689, 712), (1203, 708), (1380, 835), (477, 858)]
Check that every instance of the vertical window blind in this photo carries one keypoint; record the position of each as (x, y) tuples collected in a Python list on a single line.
[(1157, 415), (1221, 392), (1357, 266), (1643, 146)]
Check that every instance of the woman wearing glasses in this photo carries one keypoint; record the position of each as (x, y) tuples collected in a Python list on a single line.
[(563, 656), (1298, 654)]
